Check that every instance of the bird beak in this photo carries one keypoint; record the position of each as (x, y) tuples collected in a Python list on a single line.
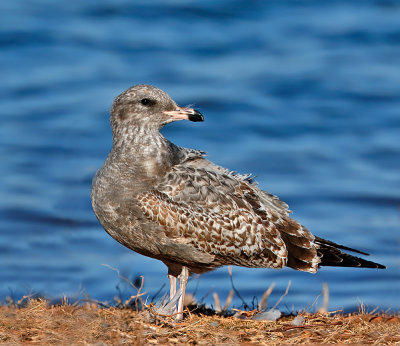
[(184, 113)]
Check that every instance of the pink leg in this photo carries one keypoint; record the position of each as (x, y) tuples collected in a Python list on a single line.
[(172, 286), (183, 279)]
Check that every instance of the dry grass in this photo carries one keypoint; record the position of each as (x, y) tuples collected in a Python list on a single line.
[(37, 322)]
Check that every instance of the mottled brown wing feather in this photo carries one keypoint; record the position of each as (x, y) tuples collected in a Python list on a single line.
[(251, 241), (224, 215)]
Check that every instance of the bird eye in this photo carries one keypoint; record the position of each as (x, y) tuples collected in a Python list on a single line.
[(145, 102)]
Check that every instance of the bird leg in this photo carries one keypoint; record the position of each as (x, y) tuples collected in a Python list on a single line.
[(172, 285), (183, 279)]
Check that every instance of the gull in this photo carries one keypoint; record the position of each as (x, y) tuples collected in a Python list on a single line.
[(172, 204)]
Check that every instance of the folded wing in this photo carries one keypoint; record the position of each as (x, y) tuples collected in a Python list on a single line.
[(226, 215)]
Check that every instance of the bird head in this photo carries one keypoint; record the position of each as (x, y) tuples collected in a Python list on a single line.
[(147, 107)]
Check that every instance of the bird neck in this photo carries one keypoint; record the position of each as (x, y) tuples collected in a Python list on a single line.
[(133, 139), (142, 152)]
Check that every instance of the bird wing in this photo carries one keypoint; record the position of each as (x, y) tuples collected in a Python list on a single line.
[(267, 199), (224, 214)]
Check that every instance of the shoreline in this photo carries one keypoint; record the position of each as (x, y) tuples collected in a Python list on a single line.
[(37, 322)]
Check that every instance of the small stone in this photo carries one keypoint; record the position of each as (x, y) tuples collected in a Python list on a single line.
[(271, 315), (298, 321)]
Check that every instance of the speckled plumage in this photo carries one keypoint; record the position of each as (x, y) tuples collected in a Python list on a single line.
[(170, 203)]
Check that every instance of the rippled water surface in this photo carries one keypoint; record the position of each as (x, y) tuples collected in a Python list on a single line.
[(305, 95)]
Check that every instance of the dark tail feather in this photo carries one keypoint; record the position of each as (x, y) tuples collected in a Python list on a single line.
[(321, 241), (332, 256)]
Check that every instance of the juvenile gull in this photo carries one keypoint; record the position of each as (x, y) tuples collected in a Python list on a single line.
[(170, 203)]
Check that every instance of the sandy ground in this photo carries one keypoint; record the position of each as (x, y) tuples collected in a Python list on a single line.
[(37, 322)]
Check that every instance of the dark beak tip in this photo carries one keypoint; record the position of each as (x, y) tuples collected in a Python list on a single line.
[(196, 116)]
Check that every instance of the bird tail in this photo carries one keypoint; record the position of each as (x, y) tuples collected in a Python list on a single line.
[(331, 255)]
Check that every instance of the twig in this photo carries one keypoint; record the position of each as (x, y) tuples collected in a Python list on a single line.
[(325, 293), (217, 303), (361, 307), (284, 295), (28, 297), (120, 276), (138, 295), (374, 310), (138, 292), (188, 326), (310, 306), (234, 288), (262, 305), (228, 300), (308, 326)]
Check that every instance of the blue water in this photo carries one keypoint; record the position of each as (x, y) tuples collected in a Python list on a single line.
[(303, 94)]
